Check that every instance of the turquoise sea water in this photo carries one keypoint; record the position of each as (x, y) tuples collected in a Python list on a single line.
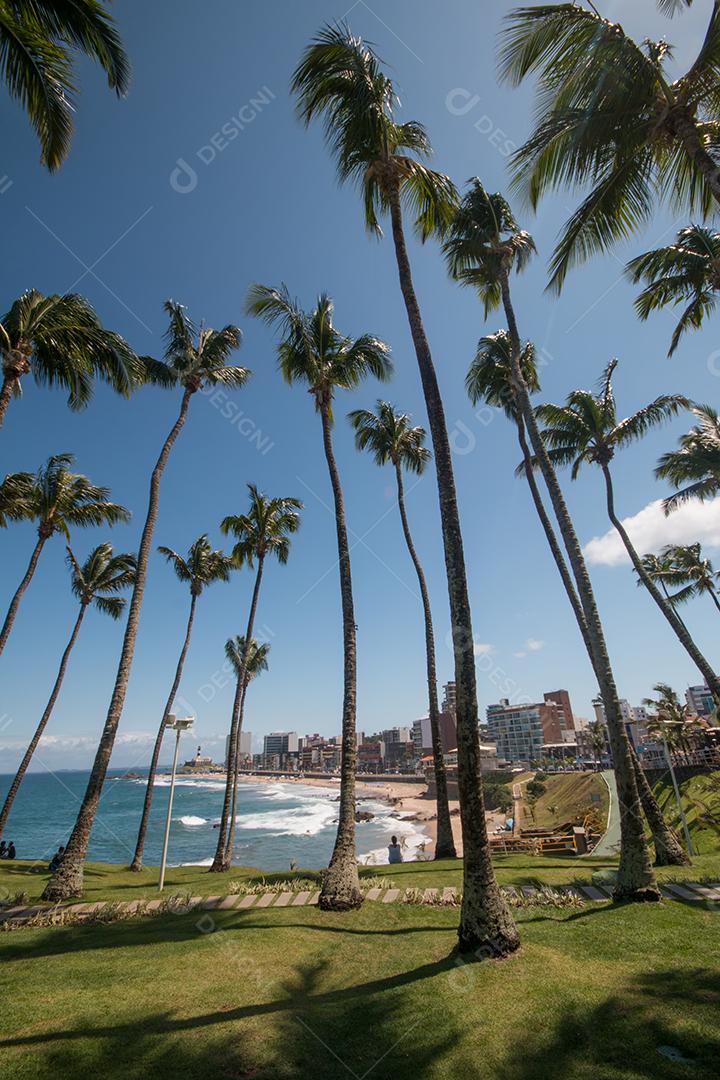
[(276, 822)]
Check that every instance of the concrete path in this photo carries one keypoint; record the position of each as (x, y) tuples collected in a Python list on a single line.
[(707, 893), (609, 843)]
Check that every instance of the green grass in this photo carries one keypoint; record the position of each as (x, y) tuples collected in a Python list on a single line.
[(701, 803), (572, 794), (284, 994), (105, 881)]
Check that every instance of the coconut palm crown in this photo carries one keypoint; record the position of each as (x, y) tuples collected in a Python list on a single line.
[(340, 80), (100, 577), (38, 40), (611, 117), (686, 272), (586, 428), (201, 567), (484, 241), (60, 341), (196, 356), (264, 530), (489, 376), (694, 467), (257, 656), (312, 349), (390, 437), (57, 499)]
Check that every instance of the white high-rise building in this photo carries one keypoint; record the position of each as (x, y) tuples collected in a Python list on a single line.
[(244, 745)]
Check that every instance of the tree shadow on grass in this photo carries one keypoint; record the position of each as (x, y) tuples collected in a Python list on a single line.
[(662, 1025), (309, 1030)]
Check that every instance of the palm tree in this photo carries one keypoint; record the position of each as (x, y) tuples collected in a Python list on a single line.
[(490, 378), (313, 351), (340, 79), (255, 664), (669, 721), (193, 359), (485, 243), (37, 43), (695, 466), (684, 567), (58, 500), (265, 530), (389, 437), (202, 567), (610, 117), (587, 429), (97, 582), (60, 341), (686, 272)]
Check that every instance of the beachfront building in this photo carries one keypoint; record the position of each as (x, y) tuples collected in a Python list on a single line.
[(244, 748), (449, 697), (521, 731), (699, 700), (280, 742), (421, 734)]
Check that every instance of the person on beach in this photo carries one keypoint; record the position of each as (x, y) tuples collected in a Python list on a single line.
[(56, 859), (394, 851)]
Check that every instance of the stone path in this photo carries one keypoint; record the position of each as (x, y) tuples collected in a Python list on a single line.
[(687, 891)]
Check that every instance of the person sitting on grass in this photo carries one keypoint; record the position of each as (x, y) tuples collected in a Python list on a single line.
[(394, 851), (56, 859), (10, 851)]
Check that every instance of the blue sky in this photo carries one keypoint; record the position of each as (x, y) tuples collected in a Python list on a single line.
[(120, 224)]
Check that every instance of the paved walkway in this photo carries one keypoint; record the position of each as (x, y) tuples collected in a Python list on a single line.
[(688, 890), (609, 843)]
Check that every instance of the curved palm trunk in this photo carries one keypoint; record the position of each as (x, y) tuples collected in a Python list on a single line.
[(668, 849), (669, 602), (68, 878), (486, 925), (636, 880), (341, 883), (15, 602), (136, 864), (221, 861), (693, 143), (22, 769), (676, 623), (6, 392), (715, 600), (444, 845), (233, 803)]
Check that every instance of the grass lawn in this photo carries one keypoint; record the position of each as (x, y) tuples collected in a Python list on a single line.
[(572, 796), (594, 993), (701, 802)]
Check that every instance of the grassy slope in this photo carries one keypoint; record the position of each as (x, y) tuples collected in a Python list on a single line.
[(701, 802), (571, 793), (293, 993)]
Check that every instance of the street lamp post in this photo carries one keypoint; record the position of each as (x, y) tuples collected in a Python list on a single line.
[(178, 724)]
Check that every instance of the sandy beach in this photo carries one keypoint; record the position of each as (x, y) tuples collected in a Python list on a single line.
[(409, 800)]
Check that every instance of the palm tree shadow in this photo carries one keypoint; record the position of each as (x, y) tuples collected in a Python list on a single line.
[(626, 1033)]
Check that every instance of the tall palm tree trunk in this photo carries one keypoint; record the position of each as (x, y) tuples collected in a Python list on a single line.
[(136, 864), (676, 623), (221, 861), (444, 844), (68, 878), (22, 769), (668, 849), (15, 602), (669, 602), (636, 880), (236, 770), (341, 883), (693, 143), (486, 924), (715, 600), (6, 392)]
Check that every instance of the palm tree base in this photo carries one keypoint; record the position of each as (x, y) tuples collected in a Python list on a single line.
[(341, 887), (672, 858), (445, 851), (66, 882), (340, 901), (219, 865), (490, 932), (136, 866), (646, 894)]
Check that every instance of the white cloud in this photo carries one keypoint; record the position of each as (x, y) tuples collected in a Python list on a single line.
[(482, 648), (650, 530), (534, 644), (520, 655)]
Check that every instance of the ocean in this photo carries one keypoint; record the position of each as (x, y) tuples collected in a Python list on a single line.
[(277, 823)]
